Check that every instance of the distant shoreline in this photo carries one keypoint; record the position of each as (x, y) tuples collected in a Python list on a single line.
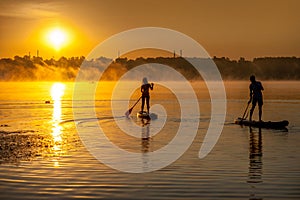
[(28, 68)]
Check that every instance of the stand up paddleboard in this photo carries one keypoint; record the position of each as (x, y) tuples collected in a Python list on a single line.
[(262, 124), (145, 115)]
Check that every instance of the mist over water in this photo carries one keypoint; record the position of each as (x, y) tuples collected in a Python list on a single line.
[(66, 69)]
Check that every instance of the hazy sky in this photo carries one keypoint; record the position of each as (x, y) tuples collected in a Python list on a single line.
[(224, 28)]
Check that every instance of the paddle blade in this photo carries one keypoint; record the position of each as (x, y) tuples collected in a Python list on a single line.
[(128, 112)]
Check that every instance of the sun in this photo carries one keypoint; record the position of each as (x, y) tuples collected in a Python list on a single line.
[(57, 38)]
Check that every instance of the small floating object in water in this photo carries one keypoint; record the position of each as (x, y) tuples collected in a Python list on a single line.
[(47, 101)]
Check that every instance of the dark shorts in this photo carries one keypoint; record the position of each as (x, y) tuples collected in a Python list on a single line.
[(257, 100)]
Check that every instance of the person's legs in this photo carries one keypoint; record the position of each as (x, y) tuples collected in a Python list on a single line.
[(260, 112), (147, 102), (251, 112), (252, 109), (260, 103), (143, 103)]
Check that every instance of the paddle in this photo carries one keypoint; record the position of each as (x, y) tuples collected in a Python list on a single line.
[(246, 110), (130, 110)]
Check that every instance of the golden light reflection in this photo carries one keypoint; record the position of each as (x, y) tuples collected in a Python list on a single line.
[(57, 91)]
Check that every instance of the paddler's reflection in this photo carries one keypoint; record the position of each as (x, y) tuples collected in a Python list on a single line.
[(145, 139), (255, 156), (255, 161)]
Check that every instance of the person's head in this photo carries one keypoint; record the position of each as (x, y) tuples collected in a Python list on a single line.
[(145, 81), (252, 78)]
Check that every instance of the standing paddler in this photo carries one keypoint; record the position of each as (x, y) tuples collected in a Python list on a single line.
[(145, 94), (255, 96)]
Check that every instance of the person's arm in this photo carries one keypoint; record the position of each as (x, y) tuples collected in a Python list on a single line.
[(142, 89), (262, 88), (151, 86)]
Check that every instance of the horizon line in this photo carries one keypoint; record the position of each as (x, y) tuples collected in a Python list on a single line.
[(177, 56)]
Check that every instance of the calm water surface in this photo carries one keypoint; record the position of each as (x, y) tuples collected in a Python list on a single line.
[(42, 156)]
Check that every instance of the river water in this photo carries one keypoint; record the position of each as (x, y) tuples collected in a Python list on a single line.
[(42, 155)]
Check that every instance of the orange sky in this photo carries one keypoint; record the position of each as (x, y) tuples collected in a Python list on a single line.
[(224, 28)]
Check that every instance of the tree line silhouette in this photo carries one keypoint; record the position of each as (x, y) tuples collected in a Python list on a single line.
[(28, 68)]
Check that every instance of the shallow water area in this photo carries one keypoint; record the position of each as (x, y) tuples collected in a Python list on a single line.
[(42, 155)]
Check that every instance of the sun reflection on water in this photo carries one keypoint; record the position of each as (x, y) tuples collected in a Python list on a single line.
[(57, 91)]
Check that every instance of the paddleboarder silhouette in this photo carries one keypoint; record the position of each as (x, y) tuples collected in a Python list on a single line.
[(256, 96), (145, 93)]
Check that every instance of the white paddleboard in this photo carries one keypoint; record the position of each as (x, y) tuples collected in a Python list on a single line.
[(145, 115)]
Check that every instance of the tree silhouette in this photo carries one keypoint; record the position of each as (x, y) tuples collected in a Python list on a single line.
[(65, 69)]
